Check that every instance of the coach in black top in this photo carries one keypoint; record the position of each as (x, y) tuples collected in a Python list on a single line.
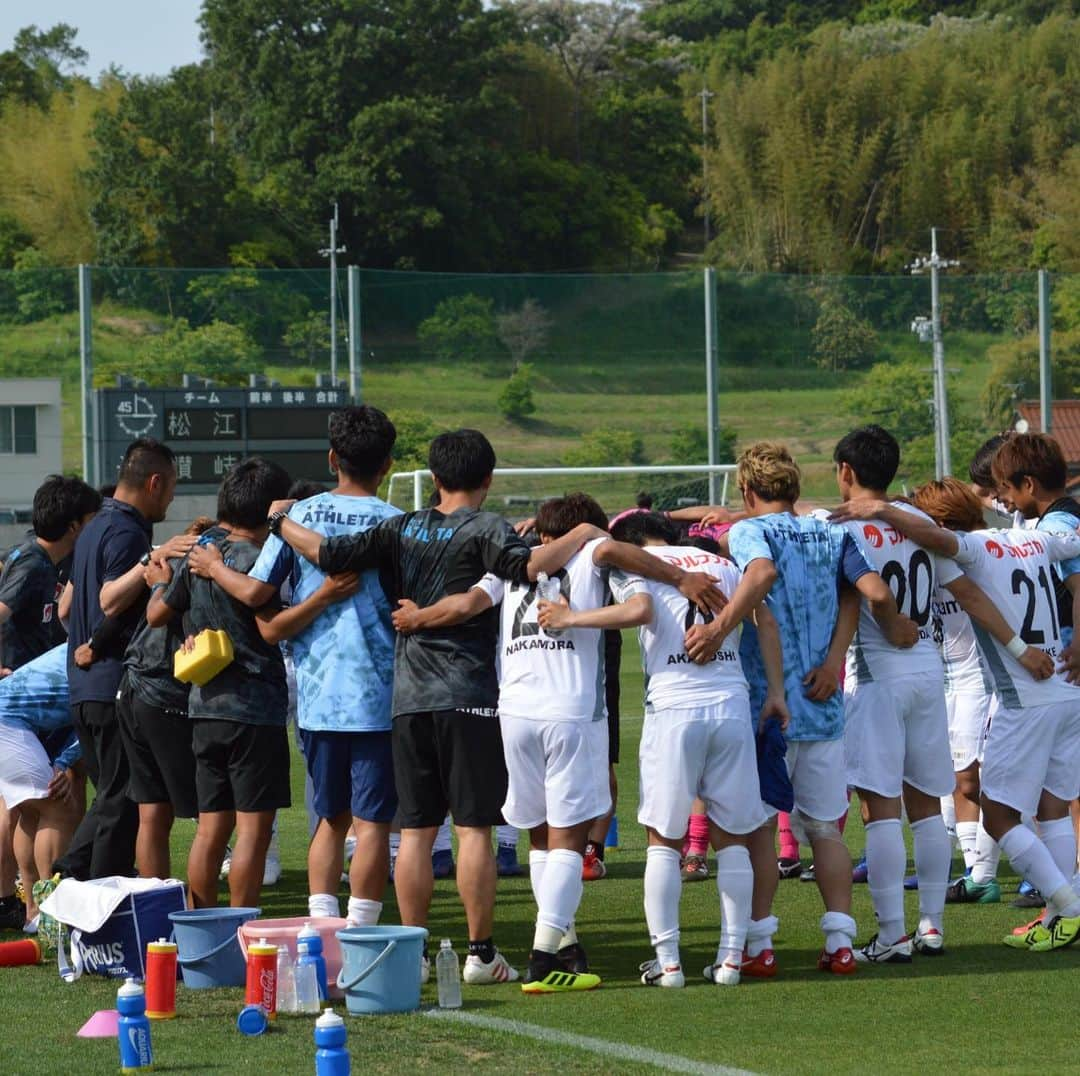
[(107, 580)]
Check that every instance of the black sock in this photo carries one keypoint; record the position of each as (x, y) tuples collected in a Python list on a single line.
[(8, 902), (485, 950)]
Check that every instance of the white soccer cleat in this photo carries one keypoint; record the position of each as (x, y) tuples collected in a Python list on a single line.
[(877, 952), (226, 864), (425, 969), (929, 942), (498, 970), (724, 974), (654, 974)]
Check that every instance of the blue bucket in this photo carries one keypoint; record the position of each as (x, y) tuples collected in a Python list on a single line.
[(380, 969), (207, 948)]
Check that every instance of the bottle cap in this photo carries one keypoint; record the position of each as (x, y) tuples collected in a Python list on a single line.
[(445, 944), (161, 946), (262, 948), (308, 931), (329, 1019), (132, 988), (252, 1020)]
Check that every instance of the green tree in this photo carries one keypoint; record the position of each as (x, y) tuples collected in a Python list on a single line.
[(41, 290), (842, 340), (516, 399), (606, 447), (1014, 375), (261, 305), (309, 338), (415, 433), (462, 329), (39, 63), (691, 445)]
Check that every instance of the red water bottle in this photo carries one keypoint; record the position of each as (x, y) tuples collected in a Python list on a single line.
[(15, 953), (161, 980), (262, 977)]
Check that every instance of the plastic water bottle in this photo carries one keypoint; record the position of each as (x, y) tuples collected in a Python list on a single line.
[(548, 590), (307, 988), (286, 981), (448, 976), (133, 1030), (331, 1057), (309, 950)]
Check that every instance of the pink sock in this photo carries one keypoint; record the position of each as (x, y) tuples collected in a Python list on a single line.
[(699, 835), (789, 847)]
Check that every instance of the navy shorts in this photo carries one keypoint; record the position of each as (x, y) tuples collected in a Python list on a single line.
[(351, 771)]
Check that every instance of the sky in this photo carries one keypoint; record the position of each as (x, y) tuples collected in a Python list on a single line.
[(144, 37)]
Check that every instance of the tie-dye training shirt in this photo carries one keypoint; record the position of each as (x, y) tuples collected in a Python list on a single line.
[(35, 696)]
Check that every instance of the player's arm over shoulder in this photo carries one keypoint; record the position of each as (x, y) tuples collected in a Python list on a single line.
[(450, 610)]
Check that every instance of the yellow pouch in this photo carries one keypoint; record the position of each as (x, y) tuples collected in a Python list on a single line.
[(213, 652)]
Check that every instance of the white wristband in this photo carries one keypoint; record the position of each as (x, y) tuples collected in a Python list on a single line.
[(1016, 646)]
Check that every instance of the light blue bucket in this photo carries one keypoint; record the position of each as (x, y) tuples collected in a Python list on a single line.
[(380, 968), (207, 948)]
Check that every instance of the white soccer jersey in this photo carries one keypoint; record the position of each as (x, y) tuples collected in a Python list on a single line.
[(913, 574), (964, 670), (556, 677), (1015, 569), (672, 680)]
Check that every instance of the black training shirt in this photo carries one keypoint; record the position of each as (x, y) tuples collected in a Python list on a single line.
[(30, 586)]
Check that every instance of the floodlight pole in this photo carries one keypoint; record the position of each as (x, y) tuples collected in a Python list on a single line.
[(333, 251), (86, 375), (712, 378), (1046, 404), (944, 459)]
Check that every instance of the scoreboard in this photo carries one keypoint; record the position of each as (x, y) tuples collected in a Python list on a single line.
[(210, 429)]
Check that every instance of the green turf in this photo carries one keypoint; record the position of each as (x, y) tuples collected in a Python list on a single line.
[(982, 1005)]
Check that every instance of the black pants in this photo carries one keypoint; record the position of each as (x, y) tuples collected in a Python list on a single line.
[(104, 843)]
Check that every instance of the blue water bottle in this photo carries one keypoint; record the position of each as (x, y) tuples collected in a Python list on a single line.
[(331, 1057), (309, 950), (133, 1030)]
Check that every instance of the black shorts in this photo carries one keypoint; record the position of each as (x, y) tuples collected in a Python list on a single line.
[(612, 667), (240, 767), (157, 743), (449, 760)]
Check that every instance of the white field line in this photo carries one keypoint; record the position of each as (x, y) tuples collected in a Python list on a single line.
[(639, 1054)]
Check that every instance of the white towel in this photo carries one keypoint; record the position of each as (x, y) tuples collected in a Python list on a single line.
[(86, 906)]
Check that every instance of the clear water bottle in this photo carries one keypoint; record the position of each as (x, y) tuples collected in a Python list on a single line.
[(448, 976), (286, 981), (547, 589)]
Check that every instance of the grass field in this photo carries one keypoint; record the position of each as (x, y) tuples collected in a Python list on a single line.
[(981, 1006)]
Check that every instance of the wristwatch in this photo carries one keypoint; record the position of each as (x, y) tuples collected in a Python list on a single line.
[(144, 560), (274, 522)]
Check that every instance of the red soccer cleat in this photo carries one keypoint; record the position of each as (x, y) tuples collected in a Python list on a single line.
[(762, 966), (1018, 931), (840, 962), (592, 867)]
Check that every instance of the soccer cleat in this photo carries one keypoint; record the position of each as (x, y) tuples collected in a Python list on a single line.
[(1061, 931), (808, 875), (573, 958), (695, 868), (929, 942), (654, 974), (911, 881), (1028, 897), (789, 868), (442, 863), (724, 974), (226, 863), (965, 891), (1034, 935), (860, 873), (425, 969), (877, 952), (762, 966), (506, 861), (272, 870), (560, 982), (592, 867), (1023, 929), (839, 962), (497, 970), (12, 913)]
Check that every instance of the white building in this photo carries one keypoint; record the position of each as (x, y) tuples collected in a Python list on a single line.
[(31, 439)]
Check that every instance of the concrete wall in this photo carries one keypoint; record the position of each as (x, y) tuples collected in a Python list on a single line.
[(20, 475)]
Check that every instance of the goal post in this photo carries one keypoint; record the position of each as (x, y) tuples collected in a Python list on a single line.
[(518, 490)]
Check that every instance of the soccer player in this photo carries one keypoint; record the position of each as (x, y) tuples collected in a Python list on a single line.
[(796, 565), (896, 738), (1031, 762), (697, 741), (344, 659), (238, 718)]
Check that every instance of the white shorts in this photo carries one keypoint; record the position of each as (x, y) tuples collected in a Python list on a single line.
[(25, 771), (1030, 749), (897, 733), (968, 716), (558, 772), (816, 769), (706, 752)]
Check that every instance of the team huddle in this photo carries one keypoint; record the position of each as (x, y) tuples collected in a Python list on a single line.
[(900, 649)]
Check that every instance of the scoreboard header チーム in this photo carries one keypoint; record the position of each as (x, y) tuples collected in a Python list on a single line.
[(210, 429)]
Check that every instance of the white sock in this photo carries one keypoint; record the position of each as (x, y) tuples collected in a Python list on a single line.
[(364, 913), (933, 856), (839, 931), (886, 859), (987, 857), (324, 906), (395, 844), (507, 836), (1060, 838), (948, 816), (560, 895), (537, 863), (759, 934), (967, 834), (442, 838), (663, 890), (735, 884), (1032, 860)]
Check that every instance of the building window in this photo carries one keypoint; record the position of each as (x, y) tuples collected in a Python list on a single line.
[(18, 431)]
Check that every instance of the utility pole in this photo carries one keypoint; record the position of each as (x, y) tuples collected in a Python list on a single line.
[(333, 251), (706, 96)]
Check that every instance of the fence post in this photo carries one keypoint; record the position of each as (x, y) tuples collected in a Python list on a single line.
[(86, 370), (1046, 404), (355, 341), (711, 380)]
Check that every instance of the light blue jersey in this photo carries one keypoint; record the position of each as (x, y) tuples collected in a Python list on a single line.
[(812, 558), (345, 657), (1062, 523), (35, 696)]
